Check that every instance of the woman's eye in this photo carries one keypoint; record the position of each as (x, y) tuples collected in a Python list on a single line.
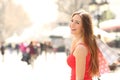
[(77, 22), (71, 20)]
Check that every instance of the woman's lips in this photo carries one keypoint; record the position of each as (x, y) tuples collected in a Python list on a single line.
[(73, 29)]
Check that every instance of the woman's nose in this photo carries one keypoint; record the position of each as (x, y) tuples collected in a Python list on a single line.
[(72, 24)]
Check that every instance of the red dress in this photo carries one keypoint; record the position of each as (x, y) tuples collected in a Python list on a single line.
[(72, 63)]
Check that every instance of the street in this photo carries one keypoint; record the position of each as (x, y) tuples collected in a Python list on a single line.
[(49, 67)]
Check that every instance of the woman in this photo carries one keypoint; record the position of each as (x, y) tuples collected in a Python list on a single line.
[(83, 59)]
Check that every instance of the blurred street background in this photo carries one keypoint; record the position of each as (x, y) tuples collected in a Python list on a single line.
[(35, 36), (46, 67)]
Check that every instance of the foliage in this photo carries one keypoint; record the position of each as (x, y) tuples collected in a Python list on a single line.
[(106, 15), (69, 6), (13, 18)]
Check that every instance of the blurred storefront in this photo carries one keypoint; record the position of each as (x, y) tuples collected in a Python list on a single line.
[(112, 26), (60, 37)]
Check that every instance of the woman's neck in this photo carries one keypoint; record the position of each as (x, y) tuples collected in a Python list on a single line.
[(78, 38), (75, 42)]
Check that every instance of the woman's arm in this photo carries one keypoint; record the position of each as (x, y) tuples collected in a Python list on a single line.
[(80, 56)]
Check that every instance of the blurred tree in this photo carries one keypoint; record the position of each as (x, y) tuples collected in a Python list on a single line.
[(106, 15), (69, 6), (14, 18)]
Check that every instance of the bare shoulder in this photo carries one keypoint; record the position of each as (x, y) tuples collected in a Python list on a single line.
[(80, 50)]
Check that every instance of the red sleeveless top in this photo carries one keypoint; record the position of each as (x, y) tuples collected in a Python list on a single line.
[(72, 63)]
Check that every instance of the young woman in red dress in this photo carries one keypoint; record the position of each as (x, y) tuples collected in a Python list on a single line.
[(83, 59)]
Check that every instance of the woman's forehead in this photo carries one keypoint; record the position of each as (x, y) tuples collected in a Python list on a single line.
[(76, 17)]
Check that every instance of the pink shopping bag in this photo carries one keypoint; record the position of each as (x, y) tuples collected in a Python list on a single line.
[(103, 65)]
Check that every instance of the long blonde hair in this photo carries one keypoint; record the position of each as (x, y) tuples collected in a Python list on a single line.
[(89, 40)]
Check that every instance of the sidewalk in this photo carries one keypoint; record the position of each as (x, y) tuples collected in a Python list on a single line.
[(112, 75), (50, 67)]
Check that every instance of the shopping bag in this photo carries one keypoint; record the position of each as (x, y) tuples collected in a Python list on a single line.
[(103, 64), (109, 54)]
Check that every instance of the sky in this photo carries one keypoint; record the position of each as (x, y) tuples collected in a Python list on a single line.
[(40, 11)]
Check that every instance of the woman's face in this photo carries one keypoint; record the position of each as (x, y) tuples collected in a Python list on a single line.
[(76, 25)]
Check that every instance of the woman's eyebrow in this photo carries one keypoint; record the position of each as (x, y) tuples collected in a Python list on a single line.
[(77, 20)]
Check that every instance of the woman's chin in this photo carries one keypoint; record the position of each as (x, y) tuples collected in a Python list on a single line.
[(73, 33)]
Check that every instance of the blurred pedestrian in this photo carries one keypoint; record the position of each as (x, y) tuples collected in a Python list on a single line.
[(32, 52), (25, 54), (2, 49), (41, 48), (17, 48)]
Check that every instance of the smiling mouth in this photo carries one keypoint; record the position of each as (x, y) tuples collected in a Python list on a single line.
[(73, 29)]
